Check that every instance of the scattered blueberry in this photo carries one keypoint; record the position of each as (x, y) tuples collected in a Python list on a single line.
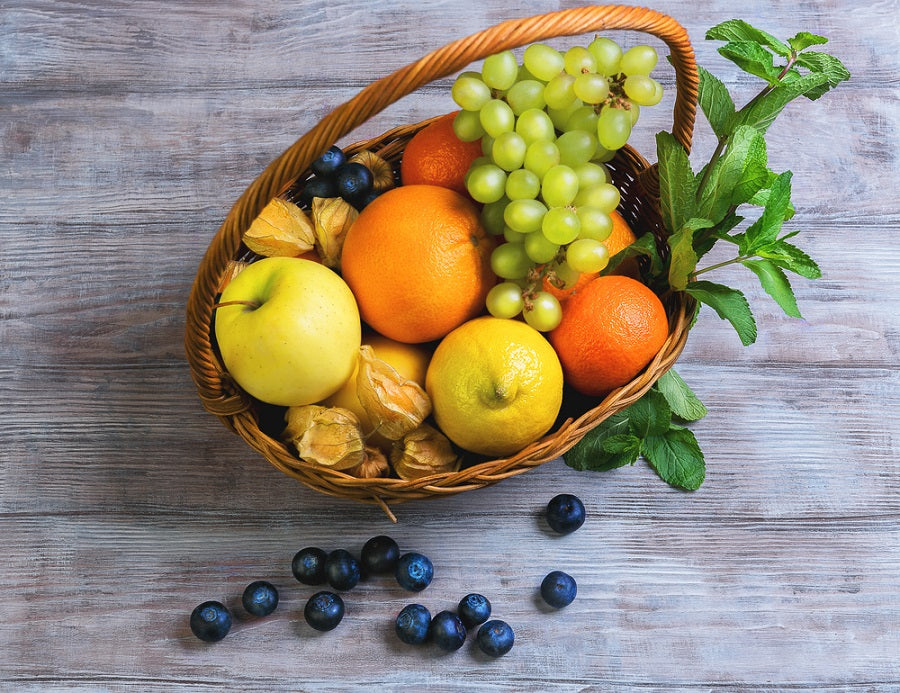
[(341, 570), (495, 638), (412, 624), (558, 589), (317, 187), (379, 555), (414, 571), (354, 182), (260, 598), (324, 611), (447, 631), (474, 609), (565, 513), (211, 621), (327, 165), (308, 566)]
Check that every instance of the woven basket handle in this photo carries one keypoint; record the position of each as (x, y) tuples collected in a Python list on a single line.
[(377, 96)]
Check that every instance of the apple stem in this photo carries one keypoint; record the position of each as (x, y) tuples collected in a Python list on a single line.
[(252, 304)]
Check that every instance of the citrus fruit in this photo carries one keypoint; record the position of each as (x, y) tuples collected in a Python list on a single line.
[(496, 385), (436, 156), (418, 261), (620, 238), (610, 331)]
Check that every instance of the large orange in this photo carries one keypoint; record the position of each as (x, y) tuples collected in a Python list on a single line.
[(610, 331), (620, 238), (436, 156), (418, 262)]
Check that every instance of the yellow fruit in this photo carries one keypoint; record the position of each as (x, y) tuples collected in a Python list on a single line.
[(496, 385)]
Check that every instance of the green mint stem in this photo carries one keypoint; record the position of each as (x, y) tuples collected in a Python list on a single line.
[(719, 265)]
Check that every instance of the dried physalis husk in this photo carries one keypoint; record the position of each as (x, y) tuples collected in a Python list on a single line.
[(281, 229), (423, 452), (329, 436), (375, 466), (394, 404), (232, 269), (382, 174), (333, 217)]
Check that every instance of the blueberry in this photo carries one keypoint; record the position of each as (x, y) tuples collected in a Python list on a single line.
[(260, 598), (211, 621), (447, 631), (363, 202), (324, 611), (558, 589), (474, 609), (308, 566), (354, 182), (379, 555), (565, 513), (316, 187), (495, 638), (412, 624), (341, 570), (327, 165), (414, 571)]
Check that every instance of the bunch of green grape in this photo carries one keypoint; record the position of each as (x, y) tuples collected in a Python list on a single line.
[(547, 127)]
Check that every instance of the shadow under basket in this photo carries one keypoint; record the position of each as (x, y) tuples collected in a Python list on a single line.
[(259, 425)]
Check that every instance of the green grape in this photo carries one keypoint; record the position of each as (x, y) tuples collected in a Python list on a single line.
[(566, 277), (487, 143), (467, 126), (560, 116), (522, 184), (504, 300), (497, 117), (500, 70), (582, 118), (657, 94), (529, 93), (639, 60), (602, 155), (508, 151), (538, 248), (613, 127), (559, 186), (587, 255), (591, 87), (480, 161), (561, 225), (524, 216), (595, 223), (510, 261), (492, 216), (513, 236), (545, 313), (543, 61), (590, 174), (540, 157), (469, 92), (640, 89), (634, 112), (578, 60), (535, 125), (486, 183), (576, 147), (560, 91), (607, 53), (604, 197)]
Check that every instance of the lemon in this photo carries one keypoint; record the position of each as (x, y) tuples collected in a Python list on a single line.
[(496, 385)]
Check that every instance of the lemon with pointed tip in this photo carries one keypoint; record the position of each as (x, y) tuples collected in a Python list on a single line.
[(496, 385)]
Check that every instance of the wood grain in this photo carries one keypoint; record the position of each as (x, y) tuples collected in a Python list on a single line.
[(126, 132)]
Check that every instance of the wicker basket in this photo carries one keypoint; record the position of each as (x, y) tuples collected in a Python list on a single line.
[(637, 182)]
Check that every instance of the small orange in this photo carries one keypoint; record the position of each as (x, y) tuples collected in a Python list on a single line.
[(436, 156), (418, 261), (610, 331), (620, 238)]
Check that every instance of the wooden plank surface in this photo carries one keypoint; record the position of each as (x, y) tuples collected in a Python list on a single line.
[(126, 132)]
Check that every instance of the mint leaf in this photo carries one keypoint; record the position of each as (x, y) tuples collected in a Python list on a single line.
[(650, 415), (729, 304), (716, 102), (776, 284), (589, 453), (718, 184), (676, 182), (752, 58), (680, 398), (755, 172), (645, 245), (791, 258), (739, 30), (676, 457), (823, 64), (761, 198), (804, 40), (622, 449), (765, 229), (761, 112)]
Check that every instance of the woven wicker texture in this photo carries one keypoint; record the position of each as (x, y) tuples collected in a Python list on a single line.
[(636, 179)]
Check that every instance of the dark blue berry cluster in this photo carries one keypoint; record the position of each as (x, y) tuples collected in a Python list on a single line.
[(333, 175), (211, 620)]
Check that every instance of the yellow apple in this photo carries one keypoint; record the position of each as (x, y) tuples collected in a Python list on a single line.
[(288, 330)]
